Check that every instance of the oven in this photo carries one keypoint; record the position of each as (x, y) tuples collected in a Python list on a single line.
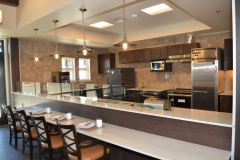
[(180, 98)]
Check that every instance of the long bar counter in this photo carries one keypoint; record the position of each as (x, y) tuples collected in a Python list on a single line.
[(206, 128), (148, 144)]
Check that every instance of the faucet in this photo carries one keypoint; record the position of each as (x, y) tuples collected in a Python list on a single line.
[(143, 85)]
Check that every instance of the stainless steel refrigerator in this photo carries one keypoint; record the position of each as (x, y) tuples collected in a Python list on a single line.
[(207, 77)]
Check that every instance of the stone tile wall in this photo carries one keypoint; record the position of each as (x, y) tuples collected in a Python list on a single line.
[(179, 77)]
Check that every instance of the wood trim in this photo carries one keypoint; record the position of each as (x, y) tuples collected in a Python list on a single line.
[(13, 3), (203, 134), (15, 66)]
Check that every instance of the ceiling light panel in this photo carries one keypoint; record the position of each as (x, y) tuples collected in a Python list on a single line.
[(101, 24), (161, 8)]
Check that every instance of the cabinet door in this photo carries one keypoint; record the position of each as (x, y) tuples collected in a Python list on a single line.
[(106, 61), (174, 50), (186, 48), (139, 55), (123, 57), (100, 63), (155, 53), (228, 54), (131, 55), (225, 104), (164, 52), (146, 55)]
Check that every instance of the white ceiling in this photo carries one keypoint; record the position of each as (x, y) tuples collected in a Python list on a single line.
[(187, 16)]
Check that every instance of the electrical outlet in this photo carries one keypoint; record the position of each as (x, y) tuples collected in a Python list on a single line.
[(166, 76)]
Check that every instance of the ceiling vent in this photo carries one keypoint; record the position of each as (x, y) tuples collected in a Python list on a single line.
[(117, 20)]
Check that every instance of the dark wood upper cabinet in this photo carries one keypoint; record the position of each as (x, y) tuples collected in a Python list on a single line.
[(146, 55), (182, 48), (164, 52), (106, 61), (143, 55), (131, 55), (186, 48), (159, 53), (228, 54), (123, 57), (155, 53), (174, 50)]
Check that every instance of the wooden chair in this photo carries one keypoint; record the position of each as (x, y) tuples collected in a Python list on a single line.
[(13, 123), (50, 141), (85, 150), (29, 133)]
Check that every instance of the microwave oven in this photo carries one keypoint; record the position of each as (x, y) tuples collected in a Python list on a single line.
[(161, 65)]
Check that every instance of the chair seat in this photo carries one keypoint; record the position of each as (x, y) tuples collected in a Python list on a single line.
[(91, 153), (18, 125), (33, 132), (56, 142)]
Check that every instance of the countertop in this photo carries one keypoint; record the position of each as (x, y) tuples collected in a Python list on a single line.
[(192, 115), (149, 144), (226, 93), (149, 89)]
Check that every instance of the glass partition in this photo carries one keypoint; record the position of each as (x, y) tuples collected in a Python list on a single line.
[(102, 94)]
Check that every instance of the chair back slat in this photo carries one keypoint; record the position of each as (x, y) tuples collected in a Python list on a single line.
[(23, 121), (70, 139), (41, 128), (10, 117)]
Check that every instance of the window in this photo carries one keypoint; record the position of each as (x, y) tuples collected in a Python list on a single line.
[(68, 65), (84, 69)]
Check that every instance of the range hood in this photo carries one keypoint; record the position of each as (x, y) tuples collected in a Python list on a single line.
[(185, 58)]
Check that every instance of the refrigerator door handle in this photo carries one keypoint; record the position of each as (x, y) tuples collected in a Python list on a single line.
[(200, 91)]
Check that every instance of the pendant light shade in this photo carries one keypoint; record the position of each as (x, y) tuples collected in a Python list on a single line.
[(124, 44), (35, 58), (84, 50), (56, 55)]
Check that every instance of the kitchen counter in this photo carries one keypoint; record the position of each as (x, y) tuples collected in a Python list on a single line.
[(191, 115), (226, 93), (149, 89), (145, 143)]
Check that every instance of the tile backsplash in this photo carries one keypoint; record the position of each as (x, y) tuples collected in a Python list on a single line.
[(179, 77)]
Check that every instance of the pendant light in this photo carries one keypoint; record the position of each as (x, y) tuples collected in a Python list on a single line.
[(56, 55), (84, 50), (125, 44), (36, 58)]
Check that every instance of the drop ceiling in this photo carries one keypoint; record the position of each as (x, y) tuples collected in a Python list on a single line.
[(187, 16)]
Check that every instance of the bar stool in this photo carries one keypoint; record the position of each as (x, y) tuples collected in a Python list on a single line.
[(29, 133), (85, 150), (13, 123), (51, 142)]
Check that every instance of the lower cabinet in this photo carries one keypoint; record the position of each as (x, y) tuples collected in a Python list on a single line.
[(133, 96), (225, 103)]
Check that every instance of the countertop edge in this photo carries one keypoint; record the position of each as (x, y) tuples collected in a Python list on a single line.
[(151, 114)]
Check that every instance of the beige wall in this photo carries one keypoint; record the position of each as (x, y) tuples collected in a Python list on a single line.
[(179, 77)]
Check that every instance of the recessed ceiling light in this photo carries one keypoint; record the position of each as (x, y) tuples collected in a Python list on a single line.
[(161, 8), (101, 24)]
